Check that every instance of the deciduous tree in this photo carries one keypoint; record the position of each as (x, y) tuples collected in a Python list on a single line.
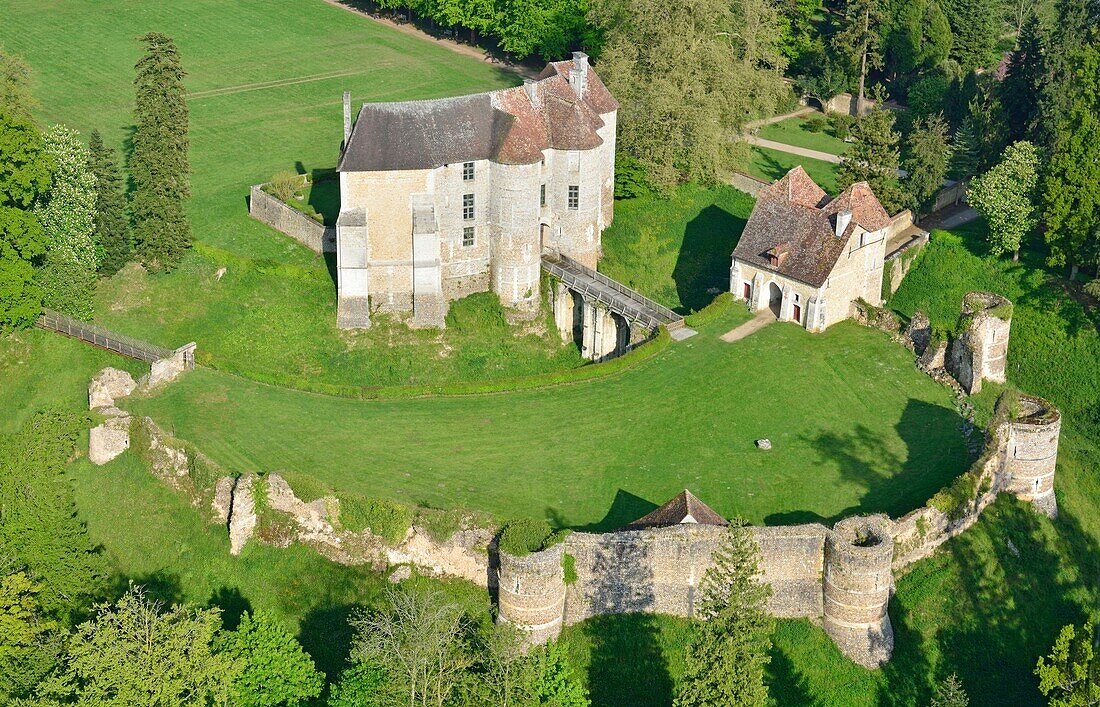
[(1070, 675), (1071, 183), (1005, 196), (112, 227), (28, 645), (687, 79), (728, 652), (67, 214), (873, 158), (159, 163), (927, 160)]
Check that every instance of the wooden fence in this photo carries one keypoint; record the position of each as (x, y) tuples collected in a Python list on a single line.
[(104, 339)]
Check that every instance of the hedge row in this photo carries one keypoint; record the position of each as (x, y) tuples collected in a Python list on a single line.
[(719, 307), (505, 385)]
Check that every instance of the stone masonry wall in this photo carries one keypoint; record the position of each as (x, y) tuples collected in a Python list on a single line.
[(266, 208)]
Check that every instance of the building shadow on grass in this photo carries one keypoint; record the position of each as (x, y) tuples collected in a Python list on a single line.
[(703, 262), (896, 484), (625, 508)]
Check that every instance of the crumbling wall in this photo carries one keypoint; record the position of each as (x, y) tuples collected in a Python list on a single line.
[(979, 350)]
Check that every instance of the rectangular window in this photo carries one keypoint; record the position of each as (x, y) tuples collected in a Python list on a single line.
[(467, 207), (467, 171), (574, 197), (467, 236), (542, 195)]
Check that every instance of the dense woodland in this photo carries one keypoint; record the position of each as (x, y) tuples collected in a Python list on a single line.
[(1005, 94)]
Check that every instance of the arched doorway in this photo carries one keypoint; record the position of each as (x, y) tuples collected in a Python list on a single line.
[(775, 299)]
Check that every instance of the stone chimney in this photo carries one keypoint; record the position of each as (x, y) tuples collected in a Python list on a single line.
[(347, 117), (529, 85), (578, 75), (843, 218)]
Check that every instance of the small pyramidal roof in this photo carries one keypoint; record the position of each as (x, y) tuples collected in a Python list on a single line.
[(682, 508)]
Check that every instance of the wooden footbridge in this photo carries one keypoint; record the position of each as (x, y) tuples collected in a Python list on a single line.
[(112, 341), (615, 296)]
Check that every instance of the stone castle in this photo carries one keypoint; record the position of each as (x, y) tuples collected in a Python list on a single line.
[(443, 198)]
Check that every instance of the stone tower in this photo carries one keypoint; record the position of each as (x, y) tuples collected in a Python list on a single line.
[(980, 349), (857, 584), (532, 593), (1032, 452)]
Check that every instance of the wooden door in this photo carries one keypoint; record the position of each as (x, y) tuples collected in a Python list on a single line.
[(796, 313), (748, 291)]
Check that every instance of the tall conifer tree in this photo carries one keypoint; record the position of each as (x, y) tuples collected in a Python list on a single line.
[(159, 164), (112, 229), (1023, 83), (728, 651), (927, 160), (873, 158)]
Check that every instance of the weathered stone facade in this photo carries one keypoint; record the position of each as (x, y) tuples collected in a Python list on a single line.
[(497, 178), (979, 350), (312, 234)]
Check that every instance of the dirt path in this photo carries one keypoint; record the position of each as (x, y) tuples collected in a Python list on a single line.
[(754, 124), (791, 149), (456, 47), (762, 319)]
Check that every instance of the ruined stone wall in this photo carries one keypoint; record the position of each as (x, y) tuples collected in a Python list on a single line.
[(313, 235), (979, 350)]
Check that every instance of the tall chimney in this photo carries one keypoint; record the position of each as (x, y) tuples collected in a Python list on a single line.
[(529, 85), (578, 75), (347, 118), (843, 218)]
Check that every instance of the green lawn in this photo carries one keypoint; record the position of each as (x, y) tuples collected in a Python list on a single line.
[(793, 131), (266, 78), (855, 427), (676, 250), (767, 164)]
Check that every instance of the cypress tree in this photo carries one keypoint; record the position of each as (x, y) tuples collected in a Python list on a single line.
[(112, 230), (728, 651), (159, 164), (1023, 81)]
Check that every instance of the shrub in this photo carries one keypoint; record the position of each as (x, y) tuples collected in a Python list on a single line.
[(954, 500), (441, 524), (816, 124), (285, 186), (386, 519), (305, 487), (926, 96), (716, 309), (630, 178), (526, 535), (842, 124), (569, 568)]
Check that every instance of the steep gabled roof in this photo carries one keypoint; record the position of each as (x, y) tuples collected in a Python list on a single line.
[(684, 507), (509, 126), (795, 213)]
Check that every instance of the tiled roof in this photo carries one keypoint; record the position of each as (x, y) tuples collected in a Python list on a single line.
[(796, 216), (506, 126), (684, 507)]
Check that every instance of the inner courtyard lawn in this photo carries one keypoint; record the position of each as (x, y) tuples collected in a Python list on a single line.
[(855, 428), (266, 78)]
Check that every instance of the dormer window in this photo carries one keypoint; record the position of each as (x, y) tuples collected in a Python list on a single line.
[(778, 254)]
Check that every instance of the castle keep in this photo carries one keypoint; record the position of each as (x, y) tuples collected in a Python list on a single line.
[(443, 198)]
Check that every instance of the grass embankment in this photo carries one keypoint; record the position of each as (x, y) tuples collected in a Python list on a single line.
[(854, 427), (676, 250), (769, 165), (793, 131), (266, 79), (992, 601)]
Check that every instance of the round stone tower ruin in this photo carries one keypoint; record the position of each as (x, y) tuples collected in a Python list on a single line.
[(980, 348), (532, 593), (1032, 452), (857, 584)]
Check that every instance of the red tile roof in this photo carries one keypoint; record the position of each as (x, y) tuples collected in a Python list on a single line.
[(683, 507)]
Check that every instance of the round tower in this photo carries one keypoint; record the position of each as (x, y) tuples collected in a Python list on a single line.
[(532, 592), (515, 234), (857, 584), (1033, 452)]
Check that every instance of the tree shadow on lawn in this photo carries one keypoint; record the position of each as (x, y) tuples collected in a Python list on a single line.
[(998, 596), (703, 261), (895, 485)]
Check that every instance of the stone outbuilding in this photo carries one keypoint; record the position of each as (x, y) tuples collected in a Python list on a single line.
[(443, 198), (807, 257)]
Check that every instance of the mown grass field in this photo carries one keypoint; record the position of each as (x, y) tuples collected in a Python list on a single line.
[(769, 165), (266, 79), (855, 427), (793, 131)]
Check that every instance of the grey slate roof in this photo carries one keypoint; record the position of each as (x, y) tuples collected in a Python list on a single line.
[(676, 510), (795, 215)]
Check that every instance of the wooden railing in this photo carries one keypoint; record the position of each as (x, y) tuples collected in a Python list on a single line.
[(104, 339)]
